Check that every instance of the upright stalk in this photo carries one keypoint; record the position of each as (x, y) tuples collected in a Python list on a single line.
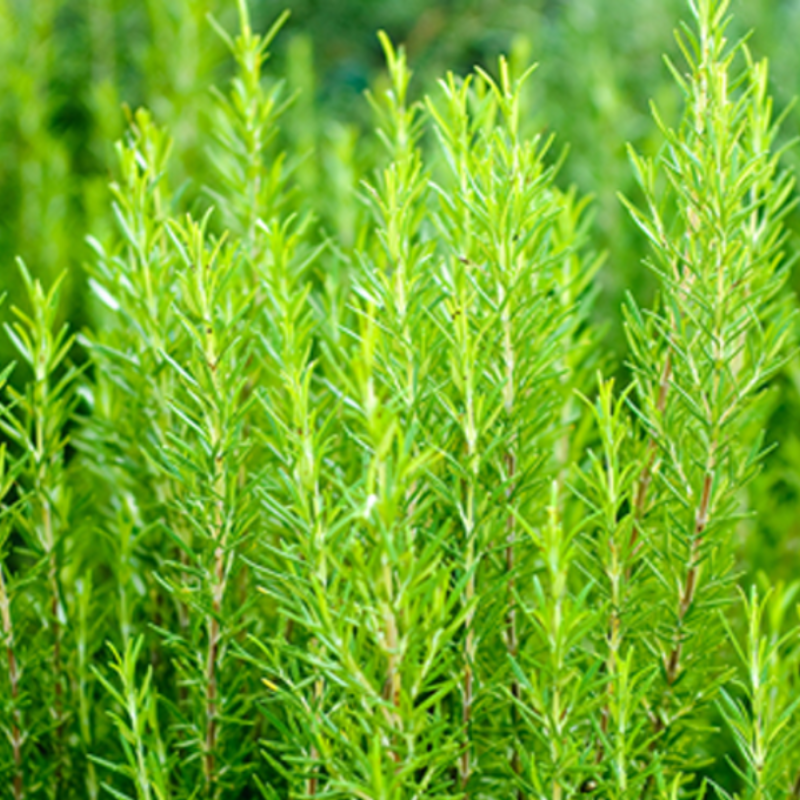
[(37, 425), (44, 485), (720, 333), (468, 512), (218, 582), (512, 644), (18, 785)]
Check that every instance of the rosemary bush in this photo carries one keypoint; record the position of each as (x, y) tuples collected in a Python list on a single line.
[(341, 491)]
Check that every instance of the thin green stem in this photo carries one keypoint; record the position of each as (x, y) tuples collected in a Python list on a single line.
[(18, 786)]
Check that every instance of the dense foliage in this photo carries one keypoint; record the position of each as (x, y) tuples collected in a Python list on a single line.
[(340, 490)]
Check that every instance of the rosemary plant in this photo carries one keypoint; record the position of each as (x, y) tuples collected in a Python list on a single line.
[(335, 497), (702, 357)]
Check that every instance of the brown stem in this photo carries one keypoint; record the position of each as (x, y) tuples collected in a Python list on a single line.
[(658, 727), (218, 581), (692, 575), (639, 508), (646, 475), (312, 785), (393, 678), (312, 781), (211, 664), (13, 679), (213, 624), (466, 715), (673, 662)]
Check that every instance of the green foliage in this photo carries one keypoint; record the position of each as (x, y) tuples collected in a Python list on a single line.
[(330, 496)]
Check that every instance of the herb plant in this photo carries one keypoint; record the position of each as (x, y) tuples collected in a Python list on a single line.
[(346, 497)]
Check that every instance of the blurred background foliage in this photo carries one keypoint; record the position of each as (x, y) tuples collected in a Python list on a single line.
[(70, 68)]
